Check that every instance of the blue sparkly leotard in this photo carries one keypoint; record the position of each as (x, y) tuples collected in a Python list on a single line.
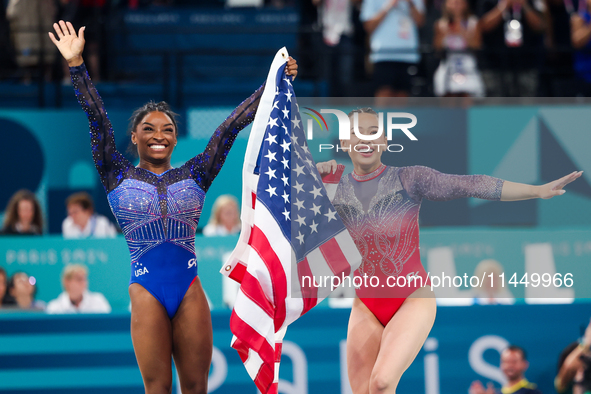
[(158, 213)]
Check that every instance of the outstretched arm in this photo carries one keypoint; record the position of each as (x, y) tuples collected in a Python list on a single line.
[(519, 191), (109, 162), (206, 166)]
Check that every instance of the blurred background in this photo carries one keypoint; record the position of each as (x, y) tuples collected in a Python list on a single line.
[(522, 71)]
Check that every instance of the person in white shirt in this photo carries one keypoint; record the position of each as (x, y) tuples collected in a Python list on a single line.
[(225, 217), (82, 222), (76, 297)]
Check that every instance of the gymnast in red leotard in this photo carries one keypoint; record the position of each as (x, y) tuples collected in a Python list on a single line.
[(380, 205)]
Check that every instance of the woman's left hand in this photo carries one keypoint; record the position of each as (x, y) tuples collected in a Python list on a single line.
[(555, 188), (292, 67)]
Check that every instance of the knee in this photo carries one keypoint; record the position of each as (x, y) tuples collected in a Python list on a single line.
[(194, 387), (382, 383), (157, 387)]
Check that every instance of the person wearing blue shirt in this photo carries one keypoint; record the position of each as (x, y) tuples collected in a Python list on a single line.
[(393, 28)]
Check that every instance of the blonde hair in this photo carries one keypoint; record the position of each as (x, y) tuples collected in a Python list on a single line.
[(220, 203), (488, 266), (70, 269)]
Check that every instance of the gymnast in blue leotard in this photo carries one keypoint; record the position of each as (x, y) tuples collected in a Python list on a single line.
[(158, 208)]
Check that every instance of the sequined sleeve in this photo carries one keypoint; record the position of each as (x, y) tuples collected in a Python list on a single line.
[(424, 182), (205, 166), (110, 164)]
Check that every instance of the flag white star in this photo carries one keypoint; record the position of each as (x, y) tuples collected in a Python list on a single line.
[(300, 237), (276, 90), (288, 81), (294, 138), (273, 122), (285, 163), (316, 209), (313, 227), (301, 220), (275, 104), (285, 146), (285, 112), (270, 173), (316, 192), (299, 204), (330, 215), (271, 191), (288, 94), (299, 187), (299, 169), (270, 156), (271, 139), (297, 153), (307, 160), (285, 179), (296, 123), (285, 128), (285, 196), (286, 214)]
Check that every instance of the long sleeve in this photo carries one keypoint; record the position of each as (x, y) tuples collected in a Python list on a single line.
[(206, 166), (110, 163), (424, 182)]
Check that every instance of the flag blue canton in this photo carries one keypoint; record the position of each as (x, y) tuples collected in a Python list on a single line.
[(314, 219), (273, 189)]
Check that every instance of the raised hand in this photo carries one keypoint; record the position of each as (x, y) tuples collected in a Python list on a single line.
[(292, 67), (69, 44), (555, 188)]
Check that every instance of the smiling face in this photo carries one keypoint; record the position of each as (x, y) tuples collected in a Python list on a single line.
[(155, 137), (513, 364), (365, 154)]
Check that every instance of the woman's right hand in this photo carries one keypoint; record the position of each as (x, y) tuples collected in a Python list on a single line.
[(70, 45), (327, 167)]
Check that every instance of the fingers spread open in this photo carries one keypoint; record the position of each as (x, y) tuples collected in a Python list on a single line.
[(64, 28), (52, 38)]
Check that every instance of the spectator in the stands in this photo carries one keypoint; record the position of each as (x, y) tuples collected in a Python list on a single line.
[(558, 71), (91, 14), (492, 291), (23, 215), (76, 297), (512, 39), (21, 292), (82, 222), (457, 33), (581, 41), (393, 29), (574, 372), (224, 218), (3, 285), (513, 365), (337, 54), (29, 22)]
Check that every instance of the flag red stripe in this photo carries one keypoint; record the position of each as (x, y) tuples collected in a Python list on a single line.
[(251, 288), (250, 339), (238, 272), (309, 293), (260, 243), (254, 199), (335, 258)]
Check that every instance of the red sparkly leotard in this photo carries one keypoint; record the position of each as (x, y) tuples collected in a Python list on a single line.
[(381, 212)]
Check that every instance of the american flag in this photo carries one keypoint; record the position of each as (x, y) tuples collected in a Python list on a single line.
[(289, 230)]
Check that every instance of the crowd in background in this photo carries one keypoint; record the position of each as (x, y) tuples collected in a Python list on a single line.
[(386, 48)]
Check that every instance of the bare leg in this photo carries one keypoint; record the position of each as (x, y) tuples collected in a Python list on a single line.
[(402, 340), (193, 340), (151, 334), (363, 344)]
